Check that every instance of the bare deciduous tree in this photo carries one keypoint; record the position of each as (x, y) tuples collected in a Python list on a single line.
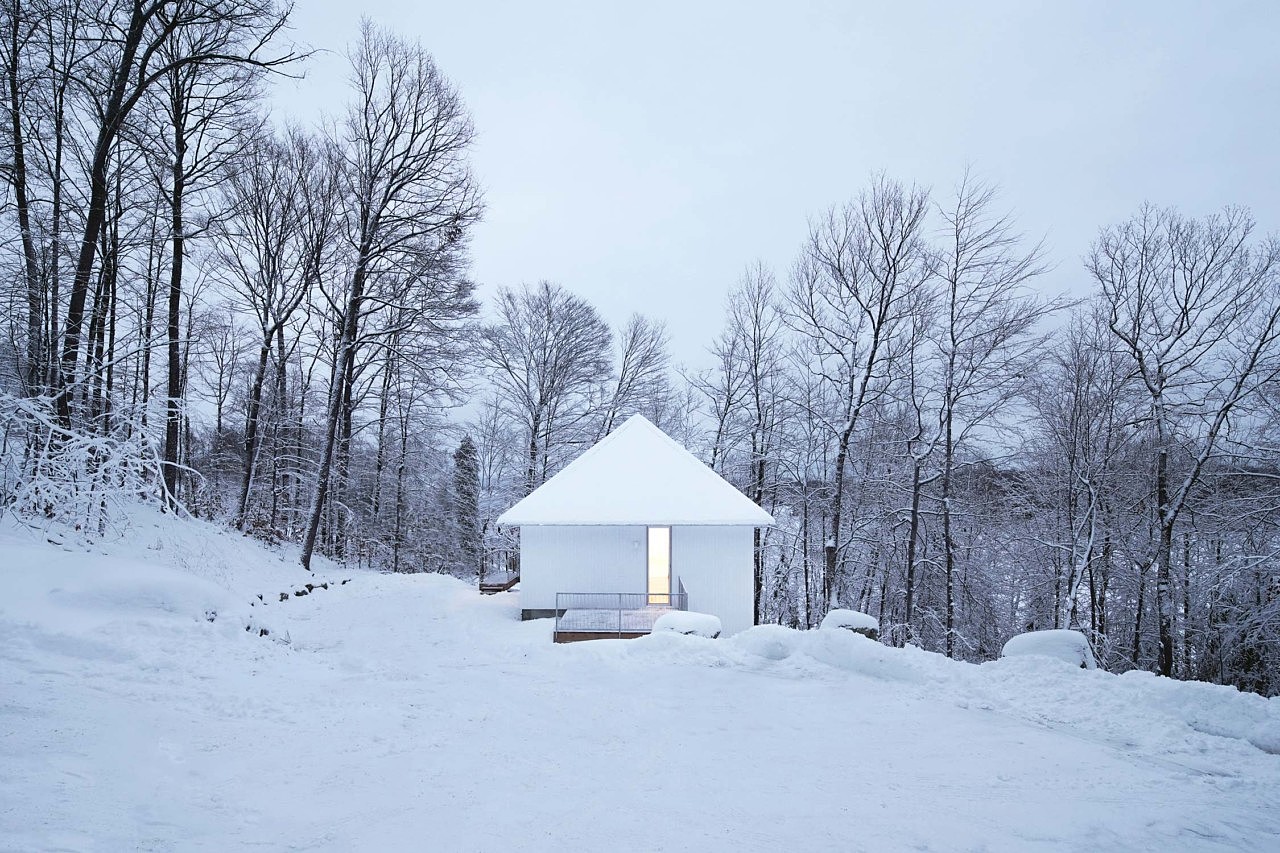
[(130, 62), (851, 294), (641, 377), (547, 354), (988, 320), (409, 197), (204, 111), (260, 245), (1194, 306)]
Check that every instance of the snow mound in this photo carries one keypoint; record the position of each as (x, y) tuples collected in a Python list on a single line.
[(68, 602), (225, 557), (771, 642), (789, 652), (1160, 716), (850, 620), (1067, 646), (1211, 709), (688, 622), (1137, 710), (156, 574), (855, 652)]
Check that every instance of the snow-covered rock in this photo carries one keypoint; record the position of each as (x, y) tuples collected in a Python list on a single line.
[(1068, 646), (688, 622), (851, 620)]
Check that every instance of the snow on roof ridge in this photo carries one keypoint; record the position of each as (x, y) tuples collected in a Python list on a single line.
[(599, 444), (539, 506), (702, 466)]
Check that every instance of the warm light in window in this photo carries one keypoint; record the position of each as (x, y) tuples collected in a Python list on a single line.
[(659, 565)]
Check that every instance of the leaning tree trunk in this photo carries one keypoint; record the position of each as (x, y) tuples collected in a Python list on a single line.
[(337, 404), (110, 118)]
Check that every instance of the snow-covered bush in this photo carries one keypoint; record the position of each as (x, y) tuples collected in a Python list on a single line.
[(688, 622), (851, 620), (1069, 646), (79, 478)]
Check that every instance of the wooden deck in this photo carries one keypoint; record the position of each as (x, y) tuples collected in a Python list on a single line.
[(594, 624), (501, 583), (578, 636)]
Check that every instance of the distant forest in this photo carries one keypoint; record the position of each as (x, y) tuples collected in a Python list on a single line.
[(273, 327)]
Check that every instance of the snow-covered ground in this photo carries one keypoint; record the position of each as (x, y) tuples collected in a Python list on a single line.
[(410, 713)]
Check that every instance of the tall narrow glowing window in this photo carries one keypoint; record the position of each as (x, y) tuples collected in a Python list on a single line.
[(659, 565)]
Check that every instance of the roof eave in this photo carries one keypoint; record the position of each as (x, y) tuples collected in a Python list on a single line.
[(652, 522)]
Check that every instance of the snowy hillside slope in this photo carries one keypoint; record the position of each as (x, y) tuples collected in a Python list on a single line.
[(408, 712)]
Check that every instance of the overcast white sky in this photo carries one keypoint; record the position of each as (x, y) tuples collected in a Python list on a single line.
[(643, 154)]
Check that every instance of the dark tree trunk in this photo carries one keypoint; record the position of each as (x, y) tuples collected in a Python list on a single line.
[(1186, 606), (948, 541), (380, 457), (913, 535), (757, 495), (173, 408), (830, 548), (1164, 561), (1137, 616), (531, 476), (251, 431), (36, 355), (111, 118), (804, 545)]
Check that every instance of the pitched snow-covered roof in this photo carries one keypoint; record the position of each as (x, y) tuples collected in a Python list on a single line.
[(636, 475)]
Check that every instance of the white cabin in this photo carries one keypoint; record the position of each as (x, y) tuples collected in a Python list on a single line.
[(639, 520)]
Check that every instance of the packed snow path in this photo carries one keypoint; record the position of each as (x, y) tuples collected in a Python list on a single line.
[(409, 712)]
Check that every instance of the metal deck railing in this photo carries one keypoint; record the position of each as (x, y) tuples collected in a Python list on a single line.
[(614, 613)]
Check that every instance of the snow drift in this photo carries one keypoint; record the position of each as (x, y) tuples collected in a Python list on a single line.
[(407, 708)]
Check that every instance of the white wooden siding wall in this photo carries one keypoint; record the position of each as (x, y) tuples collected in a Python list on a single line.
[(581, 559), (715, 564)]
